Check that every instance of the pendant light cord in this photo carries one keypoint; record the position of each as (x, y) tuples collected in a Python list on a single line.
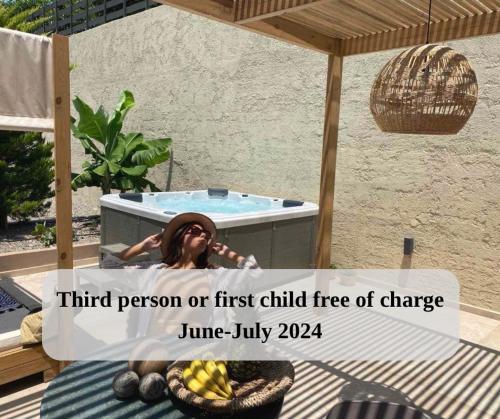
[(429, 22)]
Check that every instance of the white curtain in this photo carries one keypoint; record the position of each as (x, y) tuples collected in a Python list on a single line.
[(26, 92)]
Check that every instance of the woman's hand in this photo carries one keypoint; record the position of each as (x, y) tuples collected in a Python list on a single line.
[(149, 243), (152, 242), (220, 249), (225, 252)]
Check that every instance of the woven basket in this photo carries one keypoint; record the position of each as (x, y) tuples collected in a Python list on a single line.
[(276, 380), (429, 89)]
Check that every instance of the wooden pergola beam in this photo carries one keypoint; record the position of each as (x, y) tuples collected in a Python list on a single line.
[(221, 10), (262, 16), (246, 11), (467, 27), (274, 27), (291, 32)]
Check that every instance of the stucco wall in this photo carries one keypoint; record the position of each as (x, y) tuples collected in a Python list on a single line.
[(246, 112)]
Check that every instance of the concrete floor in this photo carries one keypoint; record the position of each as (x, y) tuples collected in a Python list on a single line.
[(464, 386)]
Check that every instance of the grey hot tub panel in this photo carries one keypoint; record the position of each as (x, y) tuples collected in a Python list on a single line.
[(285, 244)]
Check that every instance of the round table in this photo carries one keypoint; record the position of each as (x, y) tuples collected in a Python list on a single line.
[(83, 390)]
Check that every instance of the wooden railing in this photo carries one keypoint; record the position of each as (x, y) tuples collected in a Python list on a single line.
[(67, 17)]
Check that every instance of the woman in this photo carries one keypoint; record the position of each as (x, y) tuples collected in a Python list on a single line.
[(187, 243)]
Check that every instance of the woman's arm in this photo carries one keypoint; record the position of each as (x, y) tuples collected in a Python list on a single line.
[(149, 243), (241, 261)]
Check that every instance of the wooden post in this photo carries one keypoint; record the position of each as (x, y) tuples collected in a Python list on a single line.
[(62, 151), (328, 162), (62, 157)]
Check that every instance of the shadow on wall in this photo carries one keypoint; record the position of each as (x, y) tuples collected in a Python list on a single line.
[(406, 262)]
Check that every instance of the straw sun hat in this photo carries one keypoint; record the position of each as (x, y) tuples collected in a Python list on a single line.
[(179, 220)]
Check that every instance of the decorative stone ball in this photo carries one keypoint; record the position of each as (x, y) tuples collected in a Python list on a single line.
[(152, 387), (125, 384)]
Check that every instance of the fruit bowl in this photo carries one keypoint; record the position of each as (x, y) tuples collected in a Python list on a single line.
[(274, 382)]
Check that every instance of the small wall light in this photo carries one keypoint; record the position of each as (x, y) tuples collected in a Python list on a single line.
[(409, 244)]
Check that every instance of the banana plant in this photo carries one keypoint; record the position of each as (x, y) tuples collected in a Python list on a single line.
[(118, 161)]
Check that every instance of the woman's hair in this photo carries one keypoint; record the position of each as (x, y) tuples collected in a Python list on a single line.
[(174, 248)]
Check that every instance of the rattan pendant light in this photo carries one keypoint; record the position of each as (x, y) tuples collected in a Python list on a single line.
[(429, 89)]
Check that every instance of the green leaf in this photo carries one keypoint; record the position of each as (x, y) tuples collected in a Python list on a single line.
[(90, 147), (159, 142), (102, 116), (135, 171), (76, 132), (114, 128), (152, 186), (152, 152), (131, 142), (141, 183), (118, 151), (38, 230), (113, 167), (81, 180), (122, 183), (126, 103), (90, 124), (101, 169)]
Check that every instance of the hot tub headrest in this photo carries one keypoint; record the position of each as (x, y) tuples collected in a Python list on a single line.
[(136, 197), (292, 203), (218, 192)]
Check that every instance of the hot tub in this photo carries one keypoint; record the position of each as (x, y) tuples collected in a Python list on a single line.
[(279, 232)]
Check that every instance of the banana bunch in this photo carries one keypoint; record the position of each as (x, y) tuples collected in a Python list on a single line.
[(208, 379)]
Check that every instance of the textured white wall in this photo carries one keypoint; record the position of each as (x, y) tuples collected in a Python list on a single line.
[(246, 112)]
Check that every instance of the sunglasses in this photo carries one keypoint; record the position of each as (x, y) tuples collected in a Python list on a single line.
[(197, 231)]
